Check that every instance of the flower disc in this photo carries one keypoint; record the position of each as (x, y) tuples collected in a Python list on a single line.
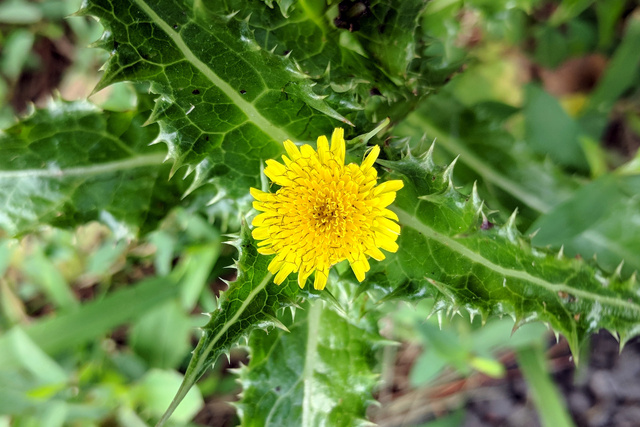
[(324, 212)]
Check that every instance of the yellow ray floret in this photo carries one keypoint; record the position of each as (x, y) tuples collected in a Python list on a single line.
[(324, 212)]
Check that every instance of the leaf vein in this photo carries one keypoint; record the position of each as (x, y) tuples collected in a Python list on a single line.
[(413, 222), (247, 107)]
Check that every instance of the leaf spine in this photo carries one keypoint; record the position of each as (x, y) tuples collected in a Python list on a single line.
[(276, 322), (426, 159), (447, 175), (618, 271)]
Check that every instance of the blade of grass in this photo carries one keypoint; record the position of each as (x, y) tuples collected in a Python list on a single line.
[(620, 75), (546, 397), (54, 335)]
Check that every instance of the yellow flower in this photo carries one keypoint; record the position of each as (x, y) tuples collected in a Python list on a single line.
[(324, 212)]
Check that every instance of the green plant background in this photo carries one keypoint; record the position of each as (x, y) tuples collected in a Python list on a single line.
[(124, 201)]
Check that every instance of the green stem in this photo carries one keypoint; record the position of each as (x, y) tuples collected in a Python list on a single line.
[(545, 395)]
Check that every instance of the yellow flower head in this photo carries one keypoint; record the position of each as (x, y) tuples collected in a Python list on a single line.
[(324, 212)]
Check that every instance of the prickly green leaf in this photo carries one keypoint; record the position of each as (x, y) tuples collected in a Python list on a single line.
[(488, 153), (363, 56), (251, 302), (319, 373), (451, 251), (224, 103), (550, 130), (508, 171), (389, 34), (71, 163)]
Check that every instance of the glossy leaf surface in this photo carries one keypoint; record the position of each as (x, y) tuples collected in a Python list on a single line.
[(234, 80), (71, 163), (319, 373), (450, 250), (224, 103), (251, 302)]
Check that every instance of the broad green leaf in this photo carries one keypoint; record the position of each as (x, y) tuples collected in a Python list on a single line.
[(319, 373), (19, 12), (16, 50), (162, 336), (71, 163), (621, 74), (567, 10), (550, 130), (602, 219), (510, 175), (155, 390), (362, 55), (224, 103), (450, 250), (43, 272), (31, 358), (251, 302), (498, 161), (608, 15)]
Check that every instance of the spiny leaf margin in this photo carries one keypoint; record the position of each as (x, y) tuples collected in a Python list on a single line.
[(225, 104), (252, 302), (71, 162), (451, 251), (321, 372)]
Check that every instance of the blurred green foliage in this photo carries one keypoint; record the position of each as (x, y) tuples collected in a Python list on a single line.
[(95, 328)]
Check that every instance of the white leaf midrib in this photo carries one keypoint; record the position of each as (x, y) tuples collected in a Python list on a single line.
[(85, 171), (411, 221), (247, 107), (309, 363)]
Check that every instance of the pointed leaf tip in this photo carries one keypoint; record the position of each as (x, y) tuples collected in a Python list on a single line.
[(447, 176)]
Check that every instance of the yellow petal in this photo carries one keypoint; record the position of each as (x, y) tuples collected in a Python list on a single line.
[(338, 145), (370, 159), (387, 223), (390, 214), (292, 150), (321, 279), (367, 267), (259, 206), (308, 152), (388, 186), (260, 195), (275, 265), (277, 173), (266, 251), (265, 219), (260, 233), (386, 243), (375, 253), (323, 149), (287, 268), (386, 199), (303, 275), (358, 270), (276, 168)]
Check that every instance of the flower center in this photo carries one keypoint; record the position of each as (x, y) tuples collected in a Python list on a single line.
[(323, 216)]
